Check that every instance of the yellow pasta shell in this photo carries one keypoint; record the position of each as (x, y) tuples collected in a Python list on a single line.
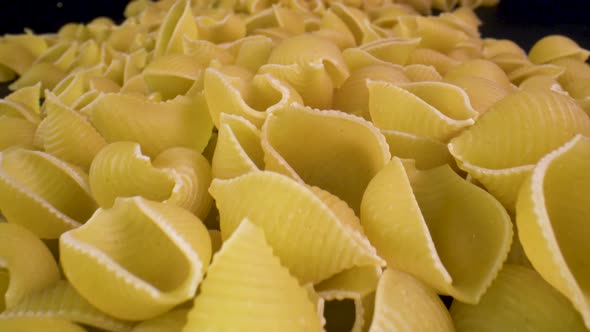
[(267, 298), (343, 151), (433, 32), (47, 73), (61, 301), (276, 17), (204, 51), (494, 47), (518, 299), (24, 276), (395, 50), (173, 75), (333, 27), (480, 68), (482, 92), (301, 215), (179, 23), (27, 97), (520, 74), (357, 22), (43, 193), (353, 96), (67, 135), (422, 73), (37, 324), (533, 123), (432, 225), (16, 132), (430, 109), (251, 52), (156, 126), (172, 321), (404, 303), (575, 70), (238, 149), (15, 57), (426, 152), (552, 210), (225, 29), (360, 280), (134, 272), (553, 47)]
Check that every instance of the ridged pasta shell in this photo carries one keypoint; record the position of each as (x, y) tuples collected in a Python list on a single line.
[(552, 216), (134, 272), (430, 109), (361, 280), (541, 82), (483, 93), (495, 47), (172, 75), (423, 7), (520, 74), (480, 68), (553, 47), (47, 73), (276, 17), (448, 233), (438, 60), (426, 152), (156, 126), (275, 301), (444, 5), (575, 70), (520, 300), (510, 62), (67, 135), (16, 132), (251, 98), (25, 102), (225, 29), (344, 151), (61, 301), (404, 303), (333, 27), (15, 57), (36, 324), (433, 32), (353, 96), (23, 276), (43, 193), (422, 73), (250, 52), (179, 23), (533, 123), (204, 51), (238, 149), (395, 50), (357, 22), (297, 213), (386, 16), (172, 321)]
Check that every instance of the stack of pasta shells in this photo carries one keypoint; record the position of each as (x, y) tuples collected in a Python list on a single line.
[(290, 165)]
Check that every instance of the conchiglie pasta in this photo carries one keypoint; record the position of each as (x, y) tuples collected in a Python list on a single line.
[(553, 47)]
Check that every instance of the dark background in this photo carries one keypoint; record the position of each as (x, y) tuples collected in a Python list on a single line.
[(523, 21)]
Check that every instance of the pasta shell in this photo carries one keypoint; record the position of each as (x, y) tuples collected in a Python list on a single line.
[(518, 299), (304, 49), (518, 75), (276, 17), (386, 16), (394, 50), (35, 44), (407, 108), (495, 47), (238, 150), (178, 24), (67, 135), (275, 301), (251, 52), (303, 216), (426, 152), (433, 32), (173, 75), (155, 239), (204, 51), (480, 68), (423, 7), (404, 303), (541, 82), (333, 27), (432, 225), (26, 101), (422, 73), (47, 73), (502, 162), (426, 56), (43, 193), (61, 301), (228, 28), (347, 151), (510, 62), (227, 94), (172, 321), (16, 132), (444, 5), (361, 280), (23, 276), (156, 126), (353, 96), (36, 324), (575, 70), (357, 22), (482, 92), (553, 47), (15, 57), (552, 212)]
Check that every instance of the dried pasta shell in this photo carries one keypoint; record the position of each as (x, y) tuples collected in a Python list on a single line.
[(426, 56), (172, 321), (35, 44), (408, 107), (395, 50), (575, 71), (47, 73), (510, 62), (251, 98), (480, 68), (482, 92), (541, 82), (156, 126), (518, 299), (172, 75), (24, 276), (552, 211), (276, 17), (416, 219), (267, 298), (61, 301), (518, 75), (502, 162), (422, 73), (353, 96), (15, 57), (357, 22), (553, 47), (155, 238), (444, 5), (36, 324), (426, 152), (16, 132), (301, 215), (361, 280), (26, 101), (251, 52), (347, 150), (333, 27), (238, 149), (204, 51), (404, 303), (495, 47), (67, 135), (226, 29), (179, 23), (386, 16), (43, 193), (433, 32)]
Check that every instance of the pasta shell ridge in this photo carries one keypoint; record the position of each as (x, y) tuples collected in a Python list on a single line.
[(179, 23)]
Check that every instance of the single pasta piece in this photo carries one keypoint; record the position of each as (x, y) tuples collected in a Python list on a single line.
[(552, 216), (265, 298)]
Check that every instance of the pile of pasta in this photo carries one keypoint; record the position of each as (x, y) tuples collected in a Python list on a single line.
[(291, 165)]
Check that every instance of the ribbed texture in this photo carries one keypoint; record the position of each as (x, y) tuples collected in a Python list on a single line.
[(427, 153), (178, 24), (248, 289)]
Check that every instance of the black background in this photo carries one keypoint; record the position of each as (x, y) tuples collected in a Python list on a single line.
[(524, 21)]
